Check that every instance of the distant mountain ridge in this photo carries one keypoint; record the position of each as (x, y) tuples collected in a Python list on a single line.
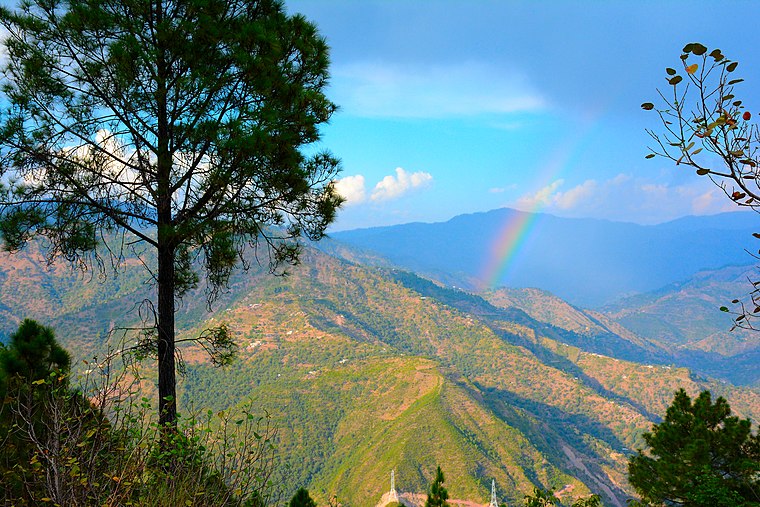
[(588, 262)]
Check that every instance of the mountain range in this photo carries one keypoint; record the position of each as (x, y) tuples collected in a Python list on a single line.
[(368, 367), (589, 262)]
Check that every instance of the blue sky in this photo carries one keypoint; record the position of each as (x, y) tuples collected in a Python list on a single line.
[(453, 106)]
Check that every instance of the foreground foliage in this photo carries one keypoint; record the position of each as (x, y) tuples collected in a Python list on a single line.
[(97, 444), (547, 498), (706, 126), (700, 455)]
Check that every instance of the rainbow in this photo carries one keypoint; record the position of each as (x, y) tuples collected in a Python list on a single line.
[(508, 241), (506, 247)]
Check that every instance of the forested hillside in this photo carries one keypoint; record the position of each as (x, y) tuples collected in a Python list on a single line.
[(368, 369)]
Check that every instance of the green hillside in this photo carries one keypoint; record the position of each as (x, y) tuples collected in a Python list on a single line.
[(366, 370)]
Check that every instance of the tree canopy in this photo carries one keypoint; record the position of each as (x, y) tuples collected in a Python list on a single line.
[(547, 497), (437, 495), (32, 354), (541, 498), (185, 126), (33, 370), (302, 499), (700, 455)]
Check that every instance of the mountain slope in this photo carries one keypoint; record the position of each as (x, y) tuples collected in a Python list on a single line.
[(584, 261), (686, 314), (367, 370)]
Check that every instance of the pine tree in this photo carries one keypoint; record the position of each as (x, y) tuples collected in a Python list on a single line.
[(437, 495), (700, 455), (33, 384), (32, 354), (179, 125), (302, 499)]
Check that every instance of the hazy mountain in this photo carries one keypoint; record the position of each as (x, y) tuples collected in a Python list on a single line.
[(585, 261), (686, 314), (368, 369)]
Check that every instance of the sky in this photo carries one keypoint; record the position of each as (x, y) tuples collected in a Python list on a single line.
[(451, 106)]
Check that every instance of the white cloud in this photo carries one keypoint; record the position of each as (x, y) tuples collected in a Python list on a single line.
[(629, 199), (4, 34), (352, 189), (392, 187), (543, 197), (467, 89), (576, 195)]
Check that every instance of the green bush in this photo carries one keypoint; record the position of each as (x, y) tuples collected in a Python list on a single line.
[(99, 444)]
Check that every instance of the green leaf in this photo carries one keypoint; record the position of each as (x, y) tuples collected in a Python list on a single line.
[(647, 106), (716, 54), (688, 47), (671, 72), (675, 80), (735, 81), (696, 151), (732, 66), (723, 309), (702, 172), (651, 155)]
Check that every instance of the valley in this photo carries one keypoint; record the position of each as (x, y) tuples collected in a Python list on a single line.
[(367, 368)]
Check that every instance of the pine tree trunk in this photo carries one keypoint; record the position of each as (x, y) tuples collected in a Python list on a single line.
[(167, 383)]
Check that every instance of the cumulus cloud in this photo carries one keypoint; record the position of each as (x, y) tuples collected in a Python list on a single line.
[(392, 187), (351, 188), (354, 190), (543, 197), (576, 195), (465, 89), (628, 199)]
